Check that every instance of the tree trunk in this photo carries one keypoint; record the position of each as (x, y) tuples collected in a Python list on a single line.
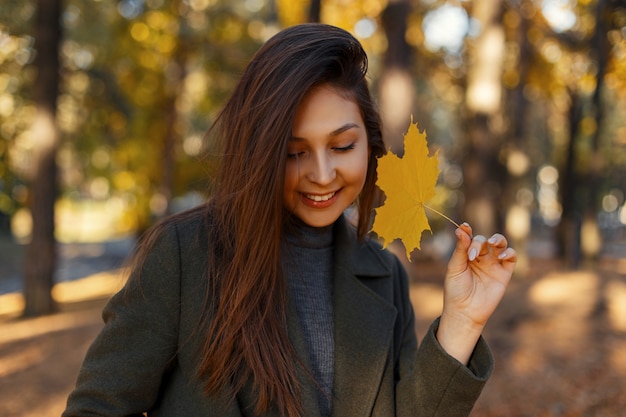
[(578, 233), (396, 85), (571, 220), (483, 173), (590, 240), (315, 10), (172, 135), (41, 255), (519, 152)]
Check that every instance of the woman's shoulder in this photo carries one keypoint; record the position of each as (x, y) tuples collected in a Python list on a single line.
[(375, 246), (368, 255), (192, 223), (177, 241), (183, 229)]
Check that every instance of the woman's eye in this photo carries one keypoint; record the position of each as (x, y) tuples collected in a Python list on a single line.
[(345, 148), (295, 155)]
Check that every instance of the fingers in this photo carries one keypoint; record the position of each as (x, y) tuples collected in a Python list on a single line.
[(499, 247), (478, 247), (464, 235), (496, 246)]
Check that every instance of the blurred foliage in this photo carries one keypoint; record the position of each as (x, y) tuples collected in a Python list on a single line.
[(143, 79)]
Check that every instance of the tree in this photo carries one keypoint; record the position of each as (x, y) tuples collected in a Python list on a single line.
[(582, 182), (520, 150), (41, 254), (315, 9), (483, 172), (396, 85)]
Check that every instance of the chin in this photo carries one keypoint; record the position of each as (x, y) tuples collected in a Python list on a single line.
[(318, 221)]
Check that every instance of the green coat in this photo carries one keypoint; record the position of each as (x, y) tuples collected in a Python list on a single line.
[(145, 358)]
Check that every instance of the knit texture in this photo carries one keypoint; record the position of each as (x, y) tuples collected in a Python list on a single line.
[(308, 260)]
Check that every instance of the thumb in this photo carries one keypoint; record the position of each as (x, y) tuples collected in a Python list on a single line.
[(459, 260)]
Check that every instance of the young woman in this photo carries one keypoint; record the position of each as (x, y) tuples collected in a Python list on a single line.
[(265, 301)]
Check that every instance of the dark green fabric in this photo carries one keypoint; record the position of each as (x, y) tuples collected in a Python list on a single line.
[(146, 356)]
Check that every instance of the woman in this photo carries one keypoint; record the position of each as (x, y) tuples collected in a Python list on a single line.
[(265, 301)]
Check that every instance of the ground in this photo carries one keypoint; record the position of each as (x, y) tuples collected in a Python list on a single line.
[(559, 340)]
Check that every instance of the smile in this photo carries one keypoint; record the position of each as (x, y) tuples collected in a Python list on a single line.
[(320, 198)]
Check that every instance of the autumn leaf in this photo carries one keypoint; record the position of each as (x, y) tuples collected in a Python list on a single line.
[(408, 183)]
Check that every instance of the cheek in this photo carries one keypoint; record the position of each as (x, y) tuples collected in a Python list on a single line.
[(358, 172)]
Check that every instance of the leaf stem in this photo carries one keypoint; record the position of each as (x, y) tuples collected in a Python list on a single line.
[(442, 215)]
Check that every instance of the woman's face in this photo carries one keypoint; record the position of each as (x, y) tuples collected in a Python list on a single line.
[(328, 157)]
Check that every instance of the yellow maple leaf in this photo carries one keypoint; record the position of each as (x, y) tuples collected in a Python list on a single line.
[(408, 183)]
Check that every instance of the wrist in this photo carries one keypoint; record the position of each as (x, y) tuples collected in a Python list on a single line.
[(458, 336)]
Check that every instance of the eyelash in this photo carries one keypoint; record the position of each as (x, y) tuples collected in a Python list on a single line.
[(345, 148), (341, 149)]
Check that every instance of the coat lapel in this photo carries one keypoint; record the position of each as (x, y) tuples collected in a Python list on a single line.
[(364, 323)]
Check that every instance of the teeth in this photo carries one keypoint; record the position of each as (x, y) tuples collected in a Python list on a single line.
[(320, 197)]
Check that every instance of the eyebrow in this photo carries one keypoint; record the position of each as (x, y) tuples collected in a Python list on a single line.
[(334, 133)]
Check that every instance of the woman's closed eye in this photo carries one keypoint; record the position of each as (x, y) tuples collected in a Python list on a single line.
[(299, 154), (296, 154), (344, 148)]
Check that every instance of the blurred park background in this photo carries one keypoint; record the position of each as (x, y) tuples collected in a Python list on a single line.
[(103, 110)]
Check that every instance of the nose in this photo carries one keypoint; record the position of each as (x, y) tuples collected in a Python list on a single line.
[(322, 169)]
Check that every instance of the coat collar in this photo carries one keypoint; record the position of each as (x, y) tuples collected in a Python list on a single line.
[(363, 260), (364, 323)]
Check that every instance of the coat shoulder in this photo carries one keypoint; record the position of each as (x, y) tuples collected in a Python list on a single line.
[(371, 259)]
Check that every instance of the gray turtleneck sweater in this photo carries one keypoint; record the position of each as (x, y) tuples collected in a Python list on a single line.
[(308, 260)]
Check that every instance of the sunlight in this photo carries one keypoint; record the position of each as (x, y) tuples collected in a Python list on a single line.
[(559, 14), (11, 305), (200, 5), (563, 303), (139, 31), (517, 222), (591, 239), (445, 28), (427, 300), (575, 292), (17, 362), (618, 357), (517, 162), (365, 28), (616, 302), (96, 286), (484, 86), (395, 103), (7, 104)]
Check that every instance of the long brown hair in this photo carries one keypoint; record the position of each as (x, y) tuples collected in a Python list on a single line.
[(246, 325)]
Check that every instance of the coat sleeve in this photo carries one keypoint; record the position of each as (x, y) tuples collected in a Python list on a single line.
[(432, 383), (122, 371), (446, 387)]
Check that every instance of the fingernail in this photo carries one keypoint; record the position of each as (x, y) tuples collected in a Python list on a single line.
[(502, 255), (465, 224), (458, 232), (492, 240), (472, 254)]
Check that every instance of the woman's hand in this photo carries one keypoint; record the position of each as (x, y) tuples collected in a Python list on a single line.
[(478, 273)]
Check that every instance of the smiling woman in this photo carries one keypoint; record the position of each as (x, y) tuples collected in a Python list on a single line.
[(265, 301)]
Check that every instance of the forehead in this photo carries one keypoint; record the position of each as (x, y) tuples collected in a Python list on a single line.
[(326, 107)]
